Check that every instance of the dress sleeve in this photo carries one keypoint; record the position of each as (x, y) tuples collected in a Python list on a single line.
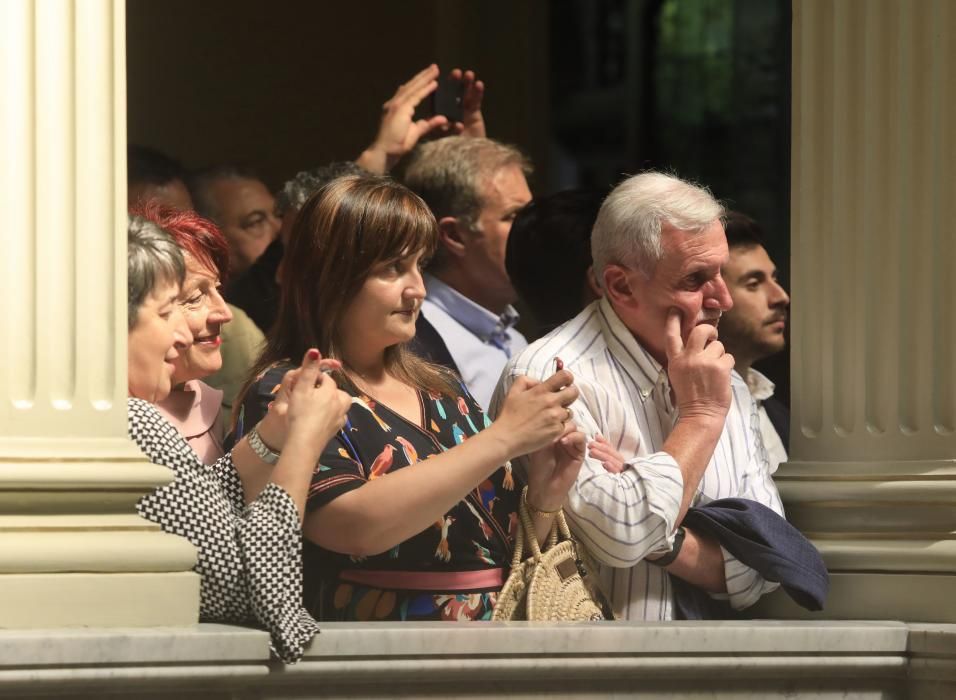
[(249, 558), (339, 468), (255, 403), (340, 471)]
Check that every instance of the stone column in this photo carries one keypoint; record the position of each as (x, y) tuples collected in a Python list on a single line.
[(72, 549), (872, 476)]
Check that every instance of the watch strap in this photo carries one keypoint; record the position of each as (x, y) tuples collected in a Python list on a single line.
[(261, 449), (669, 558)]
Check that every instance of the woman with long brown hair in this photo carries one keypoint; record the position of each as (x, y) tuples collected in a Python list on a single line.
[(413, 507)]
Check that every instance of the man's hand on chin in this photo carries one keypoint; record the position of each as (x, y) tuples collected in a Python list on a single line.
[(699, 371)]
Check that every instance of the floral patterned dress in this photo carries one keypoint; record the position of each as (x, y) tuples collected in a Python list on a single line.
[(452, 570)]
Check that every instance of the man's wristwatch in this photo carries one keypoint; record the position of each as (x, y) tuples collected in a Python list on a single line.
[(669, 558), (261, 449)]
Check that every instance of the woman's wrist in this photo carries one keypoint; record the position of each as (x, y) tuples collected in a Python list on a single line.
[(299, 457), (261, 448), (272, 432), (543, 502), (545, 508), (501, 438)]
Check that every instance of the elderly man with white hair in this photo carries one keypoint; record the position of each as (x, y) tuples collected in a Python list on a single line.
[(658, 391)]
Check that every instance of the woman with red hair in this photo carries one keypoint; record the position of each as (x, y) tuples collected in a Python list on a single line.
[(194, 407)]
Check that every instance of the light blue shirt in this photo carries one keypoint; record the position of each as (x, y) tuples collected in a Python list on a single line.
[(479, 342)]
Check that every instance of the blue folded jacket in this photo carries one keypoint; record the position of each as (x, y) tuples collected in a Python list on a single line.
[(764, 541)]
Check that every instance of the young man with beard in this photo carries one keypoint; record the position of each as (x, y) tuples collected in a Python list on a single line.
[(755, 327)]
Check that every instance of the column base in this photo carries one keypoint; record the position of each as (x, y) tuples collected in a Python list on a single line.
[(907, 597), (74, 553), (887, 532), (99, 600)]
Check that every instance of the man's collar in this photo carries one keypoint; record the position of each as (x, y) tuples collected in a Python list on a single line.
[(760, 387), (479, 321), (646, 372)]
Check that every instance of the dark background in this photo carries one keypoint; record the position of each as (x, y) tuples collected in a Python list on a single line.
[(590, 89)]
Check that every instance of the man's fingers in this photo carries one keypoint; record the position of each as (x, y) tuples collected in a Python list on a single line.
[(419, 93), (428, 72), (714, 349), (612, 467), (421, 78), (407, 91), (473, 96), (700, 336), (598, 450), (673, 344), (424, 126)]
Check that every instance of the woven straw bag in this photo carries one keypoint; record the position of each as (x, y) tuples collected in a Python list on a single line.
[(559, 584)]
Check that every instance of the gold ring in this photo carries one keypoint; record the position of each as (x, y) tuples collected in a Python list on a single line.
[(570, 415)]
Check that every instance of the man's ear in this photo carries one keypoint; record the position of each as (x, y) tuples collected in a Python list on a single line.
[(451, 236), (591, 283), (618, 286)]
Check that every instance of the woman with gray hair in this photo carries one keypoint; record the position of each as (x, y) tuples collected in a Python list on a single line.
[(243, 513)]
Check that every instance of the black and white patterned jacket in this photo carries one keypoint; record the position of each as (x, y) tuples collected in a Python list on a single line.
[(250, 557)]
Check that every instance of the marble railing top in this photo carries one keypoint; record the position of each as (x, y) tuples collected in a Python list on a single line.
[(224, 644)]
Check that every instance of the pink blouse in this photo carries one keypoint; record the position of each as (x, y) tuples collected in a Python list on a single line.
[(195, 410)]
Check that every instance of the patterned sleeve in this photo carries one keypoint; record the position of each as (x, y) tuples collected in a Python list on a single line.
[(270, 543), (249, 558), (255, 403), (340, 470)]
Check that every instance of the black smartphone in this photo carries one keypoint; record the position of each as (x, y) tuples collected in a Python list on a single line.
[(446, 100)]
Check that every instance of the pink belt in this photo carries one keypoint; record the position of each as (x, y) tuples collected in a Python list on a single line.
[(426, 580)]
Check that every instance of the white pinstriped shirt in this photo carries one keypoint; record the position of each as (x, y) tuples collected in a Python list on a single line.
[(625, 396)]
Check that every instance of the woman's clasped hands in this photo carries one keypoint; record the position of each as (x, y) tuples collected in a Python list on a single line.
[(308, 405), (537, 417)]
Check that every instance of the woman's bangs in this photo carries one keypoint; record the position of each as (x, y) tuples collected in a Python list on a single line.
[(409, 229)]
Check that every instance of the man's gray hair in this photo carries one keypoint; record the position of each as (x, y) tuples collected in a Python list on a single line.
[(153, 258), (629, 224), (200, 184), (296, 192), (448, 174)]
